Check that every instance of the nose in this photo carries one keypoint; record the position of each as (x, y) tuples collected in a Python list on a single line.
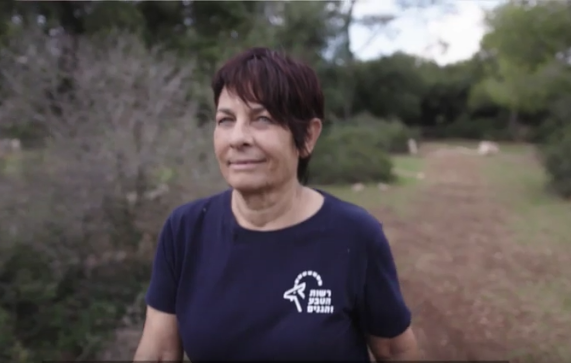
[(240, 135)]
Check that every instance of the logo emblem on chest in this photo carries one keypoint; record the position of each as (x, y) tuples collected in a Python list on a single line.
[(315, 301)]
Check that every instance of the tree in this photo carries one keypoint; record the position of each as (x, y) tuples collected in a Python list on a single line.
[(524, 40), (390, 87)]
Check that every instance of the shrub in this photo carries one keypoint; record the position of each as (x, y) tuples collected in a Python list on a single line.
[(559, 112), (349, 154), (396, 136), (557, 161), (122, 149), (475, 129), (392, 135)]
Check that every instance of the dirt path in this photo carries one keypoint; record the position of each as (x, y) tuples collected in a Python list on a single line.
[(463, 274)]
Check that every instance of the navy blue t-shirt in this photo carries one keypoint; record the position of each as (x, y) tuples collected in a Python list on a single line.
[(311, 291)]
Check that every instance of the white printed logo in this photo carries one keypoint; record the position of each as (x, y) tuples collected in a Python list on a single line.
[(318, 301)]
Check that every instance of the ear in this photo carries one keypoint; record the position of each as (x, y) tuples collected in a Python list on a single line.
[(314, 130)]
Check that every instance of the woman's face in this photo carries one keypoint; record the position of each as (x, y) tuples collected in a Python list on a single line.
[(254, 152)]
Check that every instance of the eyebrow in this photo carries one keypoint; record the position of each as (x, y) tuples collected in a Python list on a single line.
[(254, 110)]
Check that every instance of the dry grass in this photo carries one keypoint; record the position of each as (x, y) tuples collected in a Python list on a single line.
[(541, 224), (537, 215), (397, 198)]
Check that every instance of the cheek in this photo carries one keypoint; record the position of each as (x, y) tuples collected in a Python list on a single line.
[(285, 155), (219, 142)]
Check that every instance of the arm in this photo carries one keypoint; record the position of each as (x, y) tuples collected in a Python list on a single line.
[(387, 318), (160, 341), (400, 348)]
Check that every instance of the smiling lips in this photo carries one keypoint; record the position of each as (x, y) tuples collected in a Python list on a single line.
[(245, 164)]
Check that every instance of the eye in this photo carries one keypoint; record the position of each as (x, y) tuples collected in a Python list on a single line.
[(265, 119), (223, 120)]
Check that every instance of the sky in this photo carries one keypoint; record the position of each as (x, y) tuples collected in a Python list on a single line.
[(419, 32)]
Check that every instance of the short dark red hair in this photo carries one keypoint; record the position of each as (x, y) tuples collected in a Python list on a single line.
[(289, 89)]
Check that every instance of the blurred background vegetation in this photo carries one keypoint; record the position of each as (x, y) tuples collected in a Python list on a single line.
[(111, 104)]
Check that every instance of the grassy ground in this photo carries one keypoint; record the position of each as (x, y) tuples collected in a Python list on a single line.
[(11, 165), (537, 215), (506, 147), (540, 221), (397, 197)]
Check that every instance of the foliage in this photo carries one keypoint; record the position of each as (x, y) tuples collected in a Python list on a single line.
[(87, 206), (350, 154), (532, 44), (390, 87), (529, 44), (391, 135), (517, 74), (557, 161), (558, 118), (469, 128)]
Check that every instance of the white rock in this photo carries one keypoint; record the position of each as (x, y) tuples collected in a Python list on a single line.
[(412, 147), (382, 186), (357, 187), (488, 148)]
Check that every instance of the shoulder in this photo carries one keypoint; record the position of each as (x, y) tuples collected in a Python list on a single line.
[(355, 226), (353, 218), (189, 213)]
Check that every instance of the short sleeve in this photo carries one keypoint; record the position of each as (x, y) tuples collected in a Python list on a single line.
[(385, 313), (162, 291)]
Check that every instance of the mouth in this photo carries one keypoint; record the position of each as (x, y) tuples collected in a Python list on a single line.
[(245, 164)]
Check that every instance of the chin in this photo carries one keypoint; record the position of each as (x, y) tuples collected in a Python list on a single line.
[(247, 184)]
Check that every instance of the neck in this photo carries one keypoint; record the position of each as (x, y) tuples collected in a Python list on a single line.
[(272, 209)]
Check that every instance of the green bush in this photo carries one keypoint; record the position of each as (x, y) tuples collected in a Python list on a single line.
[(392, 135), (349, 154), (557, 161), (476, 129), (62, 314), (471, 128), (558, 117)]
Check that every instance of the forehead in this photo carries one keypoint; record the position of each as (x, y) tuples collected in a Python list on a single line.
[(230, 99)]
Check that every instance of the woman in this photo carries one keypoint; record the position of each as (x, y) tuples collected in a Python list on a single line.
[(272, 269)]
